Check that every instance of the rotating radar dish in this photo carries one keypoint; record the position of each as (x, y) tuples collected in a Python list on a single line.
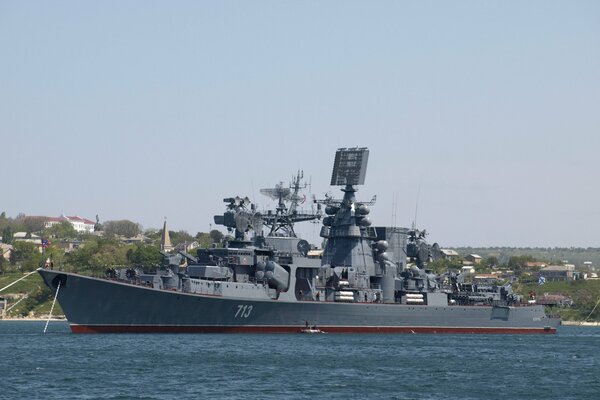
[(278, 192)]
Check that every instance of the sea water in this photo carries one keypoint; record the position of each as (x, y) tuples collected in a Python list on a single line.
[(61, 365)]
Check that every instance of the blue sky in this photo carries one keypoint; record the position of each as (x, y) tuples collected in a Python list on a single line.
[(488, 112)]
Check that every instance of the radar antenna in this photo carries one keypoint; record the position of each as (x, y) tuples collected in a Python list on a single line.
[(349, 170), (285, 216)]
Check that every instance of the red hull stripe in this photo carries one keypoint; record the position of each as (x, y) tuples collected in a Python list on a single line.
[(296, 329)]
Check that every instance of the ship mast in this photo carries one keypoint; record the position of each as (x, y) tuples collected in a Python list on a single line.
[(282, 221), (242, 216)]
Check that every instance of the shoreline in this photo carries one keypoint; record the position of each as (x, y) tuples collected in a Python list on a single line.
[(29, 319), (580, 323)]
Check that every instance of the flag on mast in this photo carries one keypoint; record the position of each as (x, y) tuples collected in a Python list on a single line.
[(541, 280)]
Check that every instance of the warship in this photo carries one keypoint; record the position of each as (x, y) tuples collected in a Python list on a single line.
[(364, 279)]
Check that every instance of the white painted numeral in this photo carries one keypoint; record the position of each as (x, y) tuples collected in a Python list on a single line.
[(243, 311)]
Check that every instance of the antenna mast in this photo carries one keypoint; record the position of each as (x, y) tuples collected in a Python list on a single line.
[(414, 225)]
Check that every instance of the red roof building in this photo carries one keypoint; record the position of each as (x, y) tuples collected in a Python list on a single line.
[(80, 224)]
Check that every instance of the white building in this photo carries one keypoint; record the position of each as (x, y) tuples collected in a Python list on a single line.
[(80, 224)]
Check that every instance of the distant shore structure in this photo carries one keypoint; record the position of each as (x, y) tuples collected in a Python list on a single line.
[(165, 240), (80, 224)]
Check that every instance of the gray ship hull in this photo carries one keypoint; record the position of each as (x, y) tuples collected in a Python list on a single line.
[(94, 305)]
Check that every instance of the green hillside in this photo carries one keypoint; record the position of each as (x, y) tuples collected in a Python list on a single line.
[(39, 296), (585, 295), (574, 255)]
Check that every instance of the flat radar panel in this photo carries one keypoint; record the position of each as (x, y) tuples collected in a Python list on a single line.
[(350, 166)]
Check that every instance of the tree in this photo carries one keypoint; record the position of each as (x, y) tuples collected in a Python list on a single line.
[(4, 222), (144, 255), (27, 255), (180, 237), (216, 236), (203, 239), (491, 261), (33, 224), (82, 257), (519, 263), (63, 230), (207, 239), (98, 254), (123, 227), (17, 223), (7, 235), (109, 255), (2, 264), (153, 234)]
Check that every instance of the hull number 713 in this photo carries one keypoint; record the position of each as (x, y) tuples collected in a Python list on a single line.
[(243, 311)]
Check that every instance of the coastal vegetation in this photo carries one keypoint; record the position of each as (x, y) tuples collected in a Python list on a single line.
[(550, 255), (584, 293), (33, 296)]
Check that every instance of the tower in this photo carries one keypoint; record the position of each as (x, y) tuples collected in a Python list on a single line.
[(351, 249), (347, 226), (165, 240)]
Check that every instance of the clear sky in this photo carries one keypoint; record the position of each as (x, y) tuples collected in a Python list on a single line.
[(488, 112)]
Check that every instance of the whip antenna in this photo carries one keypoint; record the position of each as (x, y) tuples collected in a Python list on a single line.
[(417, 203)]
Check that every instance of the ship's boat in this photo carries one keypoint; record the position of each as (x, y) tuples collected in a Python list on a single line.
[(365, 279), (311, 331)]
